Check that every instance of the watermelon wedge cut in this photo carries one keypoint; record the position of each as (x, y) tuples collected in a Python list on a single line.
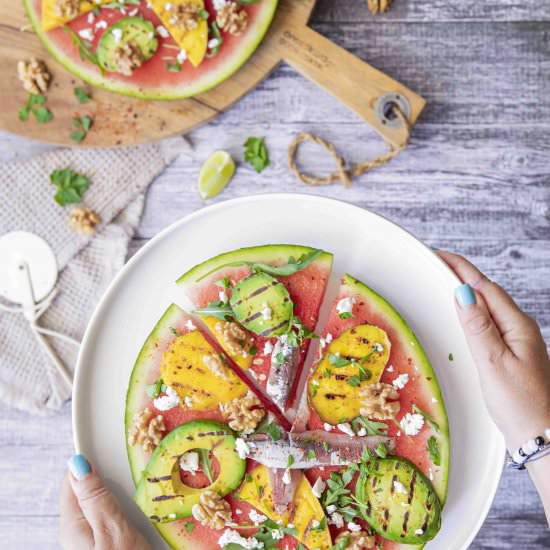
[(305, 287), (421, 392), (152, 80)]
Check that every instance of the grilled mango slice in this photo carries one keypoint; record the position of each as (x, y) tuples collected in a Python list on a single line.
[(256, 490), (356, 358), (398, 501), (184, 367)]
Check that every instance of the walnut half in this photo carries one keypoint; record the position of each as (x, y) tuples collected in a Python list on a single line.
[(232, 19), (128, 57), (146, 430), (375, 401), (356, 540), (243, 413), (34, 75), (84, 220), (378, 6), (212, 510)]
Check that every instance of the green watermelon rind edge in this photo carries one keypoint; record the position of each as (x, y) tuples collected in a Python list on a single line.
[(135, 386), (423, 364), (262, 253), (81, 71)]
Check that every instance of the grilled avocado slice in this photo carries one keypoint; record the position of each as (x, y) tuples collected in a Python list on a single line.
[(398, 501), (262, 305)]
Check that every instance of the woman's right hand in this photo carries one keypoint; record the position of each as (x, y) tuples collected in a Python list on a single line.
[(509, 351)]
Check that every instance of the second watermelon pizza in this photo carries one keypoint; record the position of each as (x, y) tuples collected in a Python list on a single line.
[(234, 444)]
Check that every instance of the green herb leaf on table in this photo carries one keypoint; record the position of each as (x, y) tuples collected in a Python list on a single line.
[(35, 105), (433, 449), (82, 95), (81, 127), (70, 185), (255, 153)]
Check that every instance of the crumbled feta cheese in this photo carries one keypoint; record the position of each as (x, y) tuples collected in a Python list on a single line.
[(419, 532), (162, 32), (242, 448), (277, 534), (232, 537), (315, 383), (91, 17), (411, 424), (337, 520), (268, 348), (290, 526), (346, 428), (319, 487), (262, 377), (431, 476), (222, 295), (399, 487), (398, 434), (354, 527), (219, 4), (328, 338), (101, 25), (190, 326), (328, 427), (266, 312), (181, 57), (117, 34), (189, 462), (188, 401), (331, 508), (213, 43), (256, 518), (133, 13), (168, 401), (87, 34), (334, 458), (322, 343), (434, 400), (172, 516), (378, 347), (345, 305), (168, 6), (401, 381), (390, 368), (239, 512), (315, 524), (362, 432), (286, 477)]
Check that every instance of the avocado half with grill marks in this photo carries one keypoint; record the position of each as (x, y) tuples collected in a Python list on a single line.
[(398, 501), (262, 305), (162, 495)]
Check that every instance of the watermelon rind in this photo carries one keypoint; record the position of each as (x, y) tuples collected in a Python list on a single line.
[(270, 253), (416, 351), (90, 74), (135, 396)]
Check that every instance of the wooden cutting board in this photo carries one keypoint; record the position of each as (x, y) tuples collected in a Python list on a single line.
[(119, 120)]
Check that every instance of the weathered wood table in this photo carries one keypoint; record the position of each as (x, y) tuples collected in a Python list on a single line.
[(476, 179)]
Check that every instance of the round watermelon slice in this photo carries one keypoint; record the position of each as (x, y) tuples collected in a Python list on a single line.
[(422, 391), (153, 80)]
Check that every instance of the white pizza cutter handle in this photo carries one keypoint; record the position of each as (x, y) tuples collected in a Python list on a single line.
[(29, 305)]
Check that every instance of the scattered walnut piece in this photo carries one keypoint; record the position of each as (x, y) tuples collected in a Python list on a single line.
[(84, 220), (232, 19), (234, 337), (214, 364), (185, 15), (378, 6), (212, 510), (358, 540), (128, 57), (243, 413), (375, 401), (67, 8), (34, 75), (146, 430)]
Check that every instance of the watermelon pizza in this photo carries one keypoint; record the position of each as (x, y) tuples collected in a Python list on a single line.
[(152, 49), (238, 438)]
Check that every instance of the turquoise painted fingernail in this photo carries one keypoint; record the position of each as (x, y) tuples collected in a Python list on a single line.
[(465, 295), (79, 466)]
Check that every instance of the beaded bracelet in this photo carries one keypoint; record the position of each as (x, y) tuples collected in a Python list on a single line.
[(533, 450)]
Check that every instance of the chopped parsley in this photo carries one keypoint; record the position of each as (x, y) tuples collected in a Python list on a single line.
[(83, 97), (433, 449), (35, 105), (81, 127), (345, 315)]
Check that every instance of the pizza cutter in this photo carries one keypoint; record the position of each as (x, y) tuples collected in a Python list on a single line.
[(28, 275)]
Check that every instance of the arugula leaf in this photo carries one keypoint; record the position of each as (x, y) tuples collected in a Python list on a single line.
[(206, 465), (345, 315), (83, 97), (433, 449), (271, 429), (381, 450), (84, 49), (81, 127), (372, 427), (290, 461), (215, 32), (342, 544), (173, 67), (224, 283), (174, 331), (354, 381), (431, 422), (70, 186), (189, 526), (153, 390), (255, 153), (217, 309), (337, 361)]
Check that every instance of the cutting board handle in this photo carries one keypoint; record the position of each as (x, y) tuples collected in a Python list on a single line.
[(365, 90)]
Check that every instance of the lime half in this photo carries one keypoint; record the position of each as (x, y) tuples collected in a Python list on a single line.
[(215, 174)]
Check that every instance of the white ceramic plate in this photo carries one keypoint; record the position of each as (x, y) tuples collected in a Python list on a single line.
[(367, 246)]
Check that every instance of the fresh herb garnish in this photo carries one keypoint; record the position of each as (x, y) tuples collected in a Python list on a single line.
[(253, 350), (326, 446), (217, 309), (206, 464), (271, 429), (433, 449), (371, 427), (311, 455), (35, 105), (255, 153), (342, 544), (224, 283), (82, 95), (215, 31), (81, 127), (290, 461), (84, 49), (431, 422), (345, 315), (337, 361), (155, 389), (189, 526), (173, 67), (451, 357), (174, 331), (70, 186), (322, 525), (381, 450), (354, 381), (337, 493)]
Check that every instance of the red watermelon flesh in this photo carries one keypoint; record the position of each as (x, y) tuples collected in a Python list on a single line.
[(306, 289), (152, 80)]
